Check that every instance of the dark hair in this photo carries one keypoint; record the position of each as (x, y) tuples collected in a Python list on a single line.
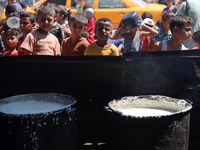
[(54, 6), (159, 23), (16, 14), (63, 11), (30, 15), (23, 4), (167, 15), (85, 34), (180, 21), (147, 14), (13, 31), (46, 9), (86, 5), (196, 36), (10, 8), (80, 18), (104, 19)]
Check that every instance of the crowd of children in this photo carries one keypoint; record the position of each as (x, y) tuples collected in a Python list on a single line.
[(48, 32)]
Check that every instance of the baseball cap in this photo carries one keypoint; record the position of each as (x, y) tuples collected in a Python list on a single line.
[(149, 22)]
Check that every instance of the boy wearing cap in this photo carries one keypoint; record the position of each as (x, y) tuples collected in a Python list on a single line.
[(146, 40)]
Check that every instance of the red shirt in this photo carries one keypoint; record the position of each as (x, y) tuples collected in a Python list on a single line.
[(145, 43), (20, 50), (7, 52), (90, 28)]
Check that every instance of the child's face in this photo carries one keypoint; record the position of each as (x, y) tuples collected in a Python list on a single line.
[(195, 43), (166, 23), (103, 30), (25, 25), (81, 3), (77, 28), (59, 18), (169, 3), (12, 40), (45, 21), (185, 33)]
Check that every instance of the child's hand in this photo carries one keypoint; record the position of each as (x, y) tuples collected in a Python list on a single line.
[(66, 30)]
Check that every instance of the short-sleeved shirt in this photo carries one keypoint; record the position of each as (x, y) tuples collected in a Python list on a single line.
[(167, 9), (74, 49), (79, 9), (41, 44), (132, 44), (18, 7), (57, 30), (94, 49), (117, 42), (162, 35), (7, 52)]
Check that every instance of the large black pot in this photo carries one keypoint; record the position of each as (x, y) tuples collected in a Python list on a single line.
[(170, 131), (47, 130)]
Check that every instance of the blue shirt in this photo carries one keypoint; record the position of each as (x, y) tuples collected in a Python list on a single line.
[(117, 42), (167, 9)]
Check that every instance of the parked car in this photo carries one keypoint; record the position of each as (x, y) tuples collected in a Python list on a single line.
[(113, 9)]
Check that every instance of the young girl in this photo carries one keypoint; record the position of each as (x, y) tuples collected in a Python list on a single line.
[(133, 38), (196, 39)]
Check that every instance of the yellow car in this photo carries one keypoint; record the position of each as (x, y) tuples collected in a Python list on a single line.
[(113, 9)]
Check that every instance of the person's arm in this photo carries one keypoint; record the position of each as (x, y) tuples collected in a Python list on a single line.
[(182, 9), (147, 31), (66, 30), (152, 42), (118, 34), (120, 47), (157, 46)]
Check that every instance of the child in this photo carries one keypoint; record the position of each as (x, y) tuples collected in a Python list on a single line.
[(57, 29), (181, 27), (164, 32), (89, 13), (12, 37), (24, 6), (196, 39), (170, 7), (146, 40), (27, 24), (102, 46), (133, 39), (41, 41), (147, 14), (80, 5), (64, 13), (76, 44)]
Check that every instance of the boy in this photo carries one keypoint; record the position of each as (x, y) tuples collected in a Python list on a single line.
[(41, 41), (76, 44), (164, 32), (181, 27), (170, 7), (64, 13), (80, 5), (12, 37), (102, 46), (27, 24), (57, 29), (24, 6)]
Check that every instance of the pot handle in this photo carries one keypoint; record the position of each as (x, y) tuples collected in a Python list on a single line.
[(108, 109)]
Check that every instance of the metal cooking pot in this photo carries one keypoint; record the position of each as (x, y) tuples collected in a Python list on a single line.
[(145, 131), (50, 129)]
